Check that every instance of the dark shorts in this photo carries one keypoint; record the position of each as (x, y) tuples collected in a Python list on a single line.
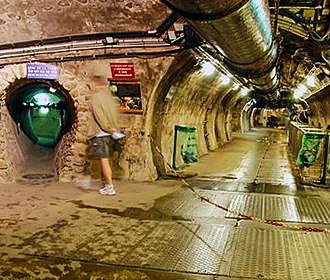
[(101, 147)]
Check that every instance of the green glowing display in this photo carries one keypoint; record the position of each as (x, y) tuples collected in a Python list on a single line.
[(41, 113)]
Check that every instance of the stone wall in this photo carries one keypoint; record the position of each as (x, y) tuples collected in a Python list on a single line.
[(24, 20), (70, 161), (176, 94), (236, 109), (137, 159), (10, 152), (320, 117)]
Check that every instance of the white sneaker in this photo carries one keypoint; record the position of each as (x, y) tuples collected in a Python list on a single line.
[(107, 190), (117, 135)]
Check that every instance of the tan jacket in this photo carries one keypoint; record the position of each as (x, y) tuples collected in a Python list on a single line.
[(104, 115)]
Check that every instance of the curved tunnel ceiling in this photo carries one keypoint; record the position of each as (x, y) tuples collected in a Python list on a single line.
[(35, 20), (187, 96), (243, 24)]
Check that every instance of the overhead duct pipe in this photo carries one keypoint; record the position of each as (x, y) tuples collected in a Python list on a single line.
[(240, 30)]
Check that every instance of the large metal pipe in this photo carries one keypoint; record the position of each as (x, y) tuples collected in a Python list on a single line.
[(240, 30)]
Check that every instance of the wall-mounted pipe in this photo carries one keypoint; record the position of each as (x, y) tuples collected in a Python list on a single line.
[(302, 4), (101, 36), (240, 30), (298, 19), (80, 57), (84, 46)]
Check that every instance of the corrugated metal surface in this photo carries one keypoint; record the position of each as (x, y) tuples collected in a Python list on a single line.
[(259, 254), (246, 26), (308, 256), (290, 209)]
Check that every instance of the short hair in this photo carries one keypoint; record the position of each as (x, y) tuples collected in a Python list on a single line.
[(98, 71)]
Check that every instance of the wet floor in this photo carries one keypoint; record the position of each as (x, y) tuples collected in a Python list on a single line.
[(163, 230)]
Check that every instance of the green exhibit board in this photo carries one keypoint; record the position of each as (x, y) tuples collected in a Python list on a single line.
[(309, 150), (185, 146)]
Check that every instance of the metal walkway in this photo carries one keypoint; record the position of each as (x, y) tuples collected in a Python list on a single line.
[(181, 237)]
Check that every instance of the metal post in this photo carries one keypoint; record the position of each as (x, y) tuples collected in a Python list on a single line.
[(277, 9), (325, 159), (174, 148)]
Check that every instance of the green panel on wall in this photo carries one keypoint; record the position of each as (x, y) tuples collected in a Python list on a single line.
[(185, 146), (41, 112)]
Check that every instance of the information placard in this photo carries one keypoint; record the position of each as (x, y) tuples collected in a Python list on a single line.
[(42, 71), (122, 70), (129, 94)]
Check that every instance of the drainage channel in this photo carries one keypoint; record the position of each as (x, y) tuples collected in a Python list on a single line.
[(38, 176), (36, 179)]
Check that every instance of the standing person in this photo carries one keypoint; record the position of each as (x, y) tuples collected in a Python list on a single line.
[(102, 123)]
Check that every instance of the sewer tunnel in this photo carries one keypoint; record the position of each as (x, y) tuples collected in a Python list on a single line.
[(42, 111)]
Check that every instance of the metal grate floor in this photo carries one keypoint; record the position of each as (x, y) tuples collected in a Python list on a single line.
[(308, 256), (242, 187), (240, 252), (259, 254), (278, 208)]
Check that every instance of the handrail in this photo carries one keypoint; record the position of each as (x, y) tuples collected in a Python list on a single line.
[(310, 130), (325, 133)]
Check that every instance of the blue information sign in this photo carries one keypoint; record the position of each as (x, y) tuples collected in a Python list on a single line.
[(42, 71)]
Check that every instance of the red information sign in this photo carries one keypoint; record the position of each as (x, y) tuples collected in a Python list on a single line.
[(122, 70)]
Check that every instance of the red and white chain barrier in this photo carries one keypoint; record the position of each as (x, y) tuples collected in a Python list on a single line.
[(168, 167)]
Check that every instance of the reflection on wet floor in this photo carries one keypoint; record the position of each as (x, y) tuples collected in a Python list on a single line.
[(182, 237), (268, 163), (266, 188), (278, 198)]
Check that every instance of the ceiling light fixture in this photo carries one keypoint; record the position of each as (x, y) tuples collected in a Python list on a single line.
[(244, 91), (52, 90), (43, 110), (41, 99), (300, 91), (310, 81), (208, 68), (235, 86), (225, 80)]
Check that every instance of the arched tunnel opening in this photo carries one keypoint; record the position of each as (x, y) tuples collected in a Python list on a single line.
[(43, 112), (197, 110)]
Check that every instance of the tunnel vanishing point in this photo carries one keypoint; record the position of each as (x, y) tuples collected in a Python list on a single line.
[(210, 65), (224, 170)]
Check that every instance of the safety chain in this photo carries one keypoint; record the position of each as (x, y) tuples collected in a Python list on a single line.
[(237, 213)]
